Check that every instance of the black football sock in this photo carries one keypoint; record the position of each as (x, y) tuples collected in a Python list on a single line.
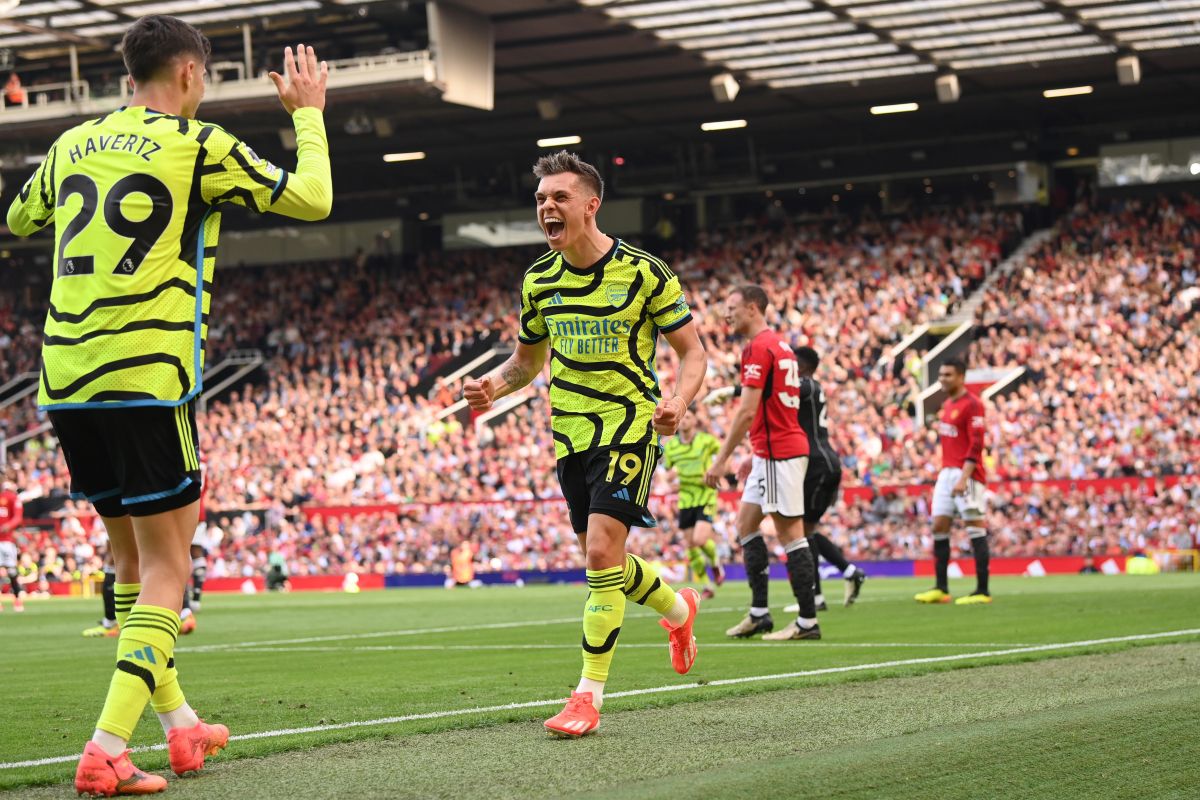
[(812, 548), (758, 565), (800, 576), (829, 551), (110, 597), (941, 555), (979, 544)]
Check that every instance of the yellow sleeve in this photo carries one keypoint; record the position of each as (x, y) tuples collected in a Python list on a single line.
[(533, 324), (33, 207), (234, 173), (668, 307)]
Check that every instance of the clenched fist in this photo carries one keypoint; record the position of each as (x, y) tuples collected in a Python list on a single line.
[(479, 394), (668, 415)]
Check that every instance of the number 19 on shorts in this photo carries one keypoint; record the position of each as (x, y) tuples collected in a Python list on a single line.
[(630, 464)]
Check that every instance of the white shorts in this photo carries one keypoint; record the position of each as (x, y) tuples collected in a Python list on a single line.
[(200, 537), (777, 486), (8, 554), (970, 506)]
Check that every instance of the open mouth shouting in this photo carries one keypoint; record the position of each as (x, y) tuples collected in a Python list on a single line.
[(555, 228)]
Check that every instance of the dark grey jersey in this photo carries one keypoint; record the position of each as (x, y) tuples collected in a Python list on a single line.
[(813, 419)]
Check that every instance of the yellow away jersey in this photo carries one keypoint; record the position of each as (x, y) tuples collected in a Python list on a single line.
[(603, 323), (691, 460), (135, 200)]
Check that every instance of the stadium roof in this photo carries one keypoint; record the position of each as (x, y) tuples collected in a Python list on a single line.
[(634, 78), (797, 43)]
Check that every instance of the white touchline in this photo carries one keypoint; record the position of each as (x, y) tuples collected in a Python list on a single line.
[(390, 648), (210, 648), (461, 712)]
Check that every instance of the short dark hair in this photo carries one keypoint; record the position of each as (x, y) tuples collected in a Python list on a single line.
[(808, 357), (753, 293), (154, 41), (956, 364), (565, 161)]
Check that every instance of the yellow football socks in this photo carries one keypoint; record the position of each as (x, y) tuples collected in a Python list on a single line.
[(144, 650), (602, 617), (644, 587)]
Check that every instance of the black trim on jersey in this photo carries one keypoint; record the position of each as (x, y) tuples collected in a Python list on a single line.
[(283, 179), (603, 260), (115, 366), (210, 252), (138, 325), (125, 300), (595, 394), (565, 308), (182, 121), (554, 277), (237, 193), (566, 441), (119, 395), (197, 208), (579, 291), (666, 273), (590, 416), (620, 369), (526, 340), (546, 259), (674, 326), (254, 174), (636, 357)]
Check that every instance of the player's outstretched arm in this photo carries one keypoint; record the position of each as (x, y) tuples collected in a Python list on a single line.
[(308, 193), (693, 364), (515, 373), (33, 207)]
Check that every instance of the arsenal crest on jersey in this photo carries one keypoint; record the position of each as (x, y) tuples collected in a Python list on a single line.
[(618, 293)]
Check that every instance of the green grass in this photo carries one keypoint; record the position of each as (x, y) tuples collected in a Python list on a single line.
[(1051, 718)]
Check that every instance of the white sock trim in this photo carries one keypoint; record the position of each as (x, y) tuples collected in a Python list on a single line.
[(595, 687), (679, 612), (976, 533), (849, 573), (758, 612), (805, 622), (182, 717), (109, 742)]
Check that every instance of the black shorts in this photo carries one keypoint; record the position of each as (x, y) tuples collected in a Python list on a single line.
[(820, 492), (140, 461), (609, 480), (688, 517)]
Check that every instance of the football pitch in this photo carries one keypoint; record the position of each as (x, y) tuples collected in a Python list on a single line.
[(1076, 686)]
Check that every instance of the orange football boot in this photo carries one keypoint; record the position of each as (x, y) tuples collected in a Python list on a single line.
[(680, 640), (578, 718), (102, 775), (187, 747)]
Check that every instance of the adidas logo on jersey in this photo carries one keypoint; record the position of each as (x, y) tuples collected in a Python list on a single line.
[(623, 494), (556, 300)]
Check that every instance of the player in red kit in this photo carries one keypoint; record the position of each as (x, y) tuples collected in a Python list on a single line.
[(961, 484), (11, 514), (770, 399)]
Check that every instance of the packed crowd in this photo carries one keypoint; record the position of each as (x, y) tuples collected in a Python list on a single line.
[(536, 535), (359, 347)]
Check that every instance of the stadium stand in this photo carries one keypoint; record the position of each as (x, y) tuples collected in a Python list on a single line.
[(349, 408)]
